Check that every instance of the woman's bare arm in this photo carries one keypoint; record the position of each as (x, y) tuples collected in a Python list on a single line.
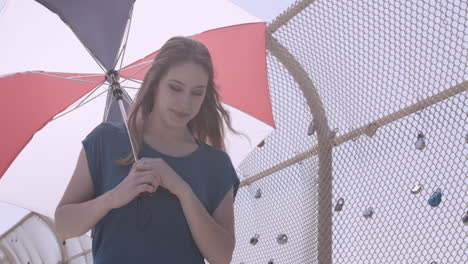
[(78, 212)]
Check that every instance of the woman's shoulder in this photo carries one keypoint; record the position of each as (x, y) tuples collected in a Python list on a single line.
[(215, 155), (107, 130)]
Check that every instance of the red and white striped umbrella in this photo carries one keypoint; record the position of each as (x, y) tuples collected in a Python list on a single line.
[(55, 55)]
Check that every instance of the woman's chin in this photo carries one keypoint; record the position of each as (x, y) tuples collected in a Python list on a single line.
[(177, 123)]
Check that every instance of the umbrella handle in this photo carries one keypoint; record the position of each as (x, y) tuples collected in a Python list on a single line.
[(124, 118)]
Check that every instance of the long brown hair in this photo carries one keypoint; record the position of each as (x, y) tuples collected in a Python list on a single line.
[(207, 125)]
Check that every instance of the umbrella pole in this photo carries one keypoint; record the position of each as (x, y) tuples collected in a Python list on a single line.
[(124, 118), (112, 78)]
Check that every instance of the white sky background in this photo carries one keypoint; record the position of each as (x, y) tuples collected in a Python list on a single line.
[(10, 214)]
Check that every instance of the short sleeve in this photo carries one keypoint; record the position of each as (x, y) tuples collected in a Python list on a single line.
[(93, 147), (227, 179)]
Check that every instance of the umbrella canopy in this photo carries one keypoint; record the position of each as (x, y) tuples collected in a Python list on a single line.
[(56, 91)]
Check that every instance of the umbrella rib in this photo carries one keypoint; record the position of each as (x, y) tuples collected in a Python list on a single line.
[(128, 87), (80, 104), (135, 80), (136, 65), (83, 81), (94, 90), (92, 55), (66, 78), (91, 93), (124, 47), (86, 76), (129, 77), (86, 47)]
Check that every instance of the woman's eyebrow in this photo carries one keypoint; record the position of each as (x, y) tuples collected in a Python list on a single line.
[(177, 81), (183, 84)]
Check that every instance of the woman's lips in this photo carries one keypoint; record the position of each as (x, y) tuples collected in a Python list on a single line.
[(180, 114)]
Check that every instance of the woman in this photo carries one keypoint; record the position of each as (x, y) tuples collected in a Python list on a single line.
[(176, 124)]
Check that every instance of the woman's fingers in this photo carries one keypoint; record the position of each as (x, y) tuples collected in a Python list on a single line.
[(141, 165), (144, 188), (148, 178)]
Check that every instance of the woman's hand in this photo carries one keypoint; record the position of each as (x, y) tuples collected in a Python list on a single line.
[(139, 180), (169, 179)]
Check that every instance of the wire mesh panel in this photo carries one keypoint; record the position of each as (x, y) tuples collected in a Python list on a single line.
[(371, 58), (390, 184), (392, 79), (276, 217)]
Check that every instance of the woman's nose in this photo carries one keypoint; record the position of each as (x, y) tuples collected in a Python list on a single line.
[(185, 101)]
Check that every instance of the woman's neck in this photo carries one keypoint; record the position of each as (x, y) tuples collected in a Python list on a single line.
[(155, 130)]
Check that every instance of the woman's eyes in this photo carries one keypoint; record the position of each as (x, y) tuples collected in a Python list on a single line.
[(177, 89), (174, 88)]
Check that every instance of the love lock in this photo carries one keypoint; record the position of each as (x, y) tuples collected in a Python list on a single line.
[(420, 142), (435, 198), (416, 189), (258, 194), (261, 144), (282, 239), (339, 205), (254, 240), (368, 213)]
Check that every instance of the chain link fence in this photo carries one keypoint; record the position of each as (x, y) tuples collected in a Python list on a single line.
[(391, 80)]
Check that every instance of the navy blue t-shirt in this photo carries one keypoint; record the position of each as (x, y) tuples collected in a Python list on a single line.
[(152, 229)]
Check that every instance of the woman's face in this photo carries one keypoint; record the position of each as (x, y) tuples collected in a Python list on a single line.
[(180, 94)]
